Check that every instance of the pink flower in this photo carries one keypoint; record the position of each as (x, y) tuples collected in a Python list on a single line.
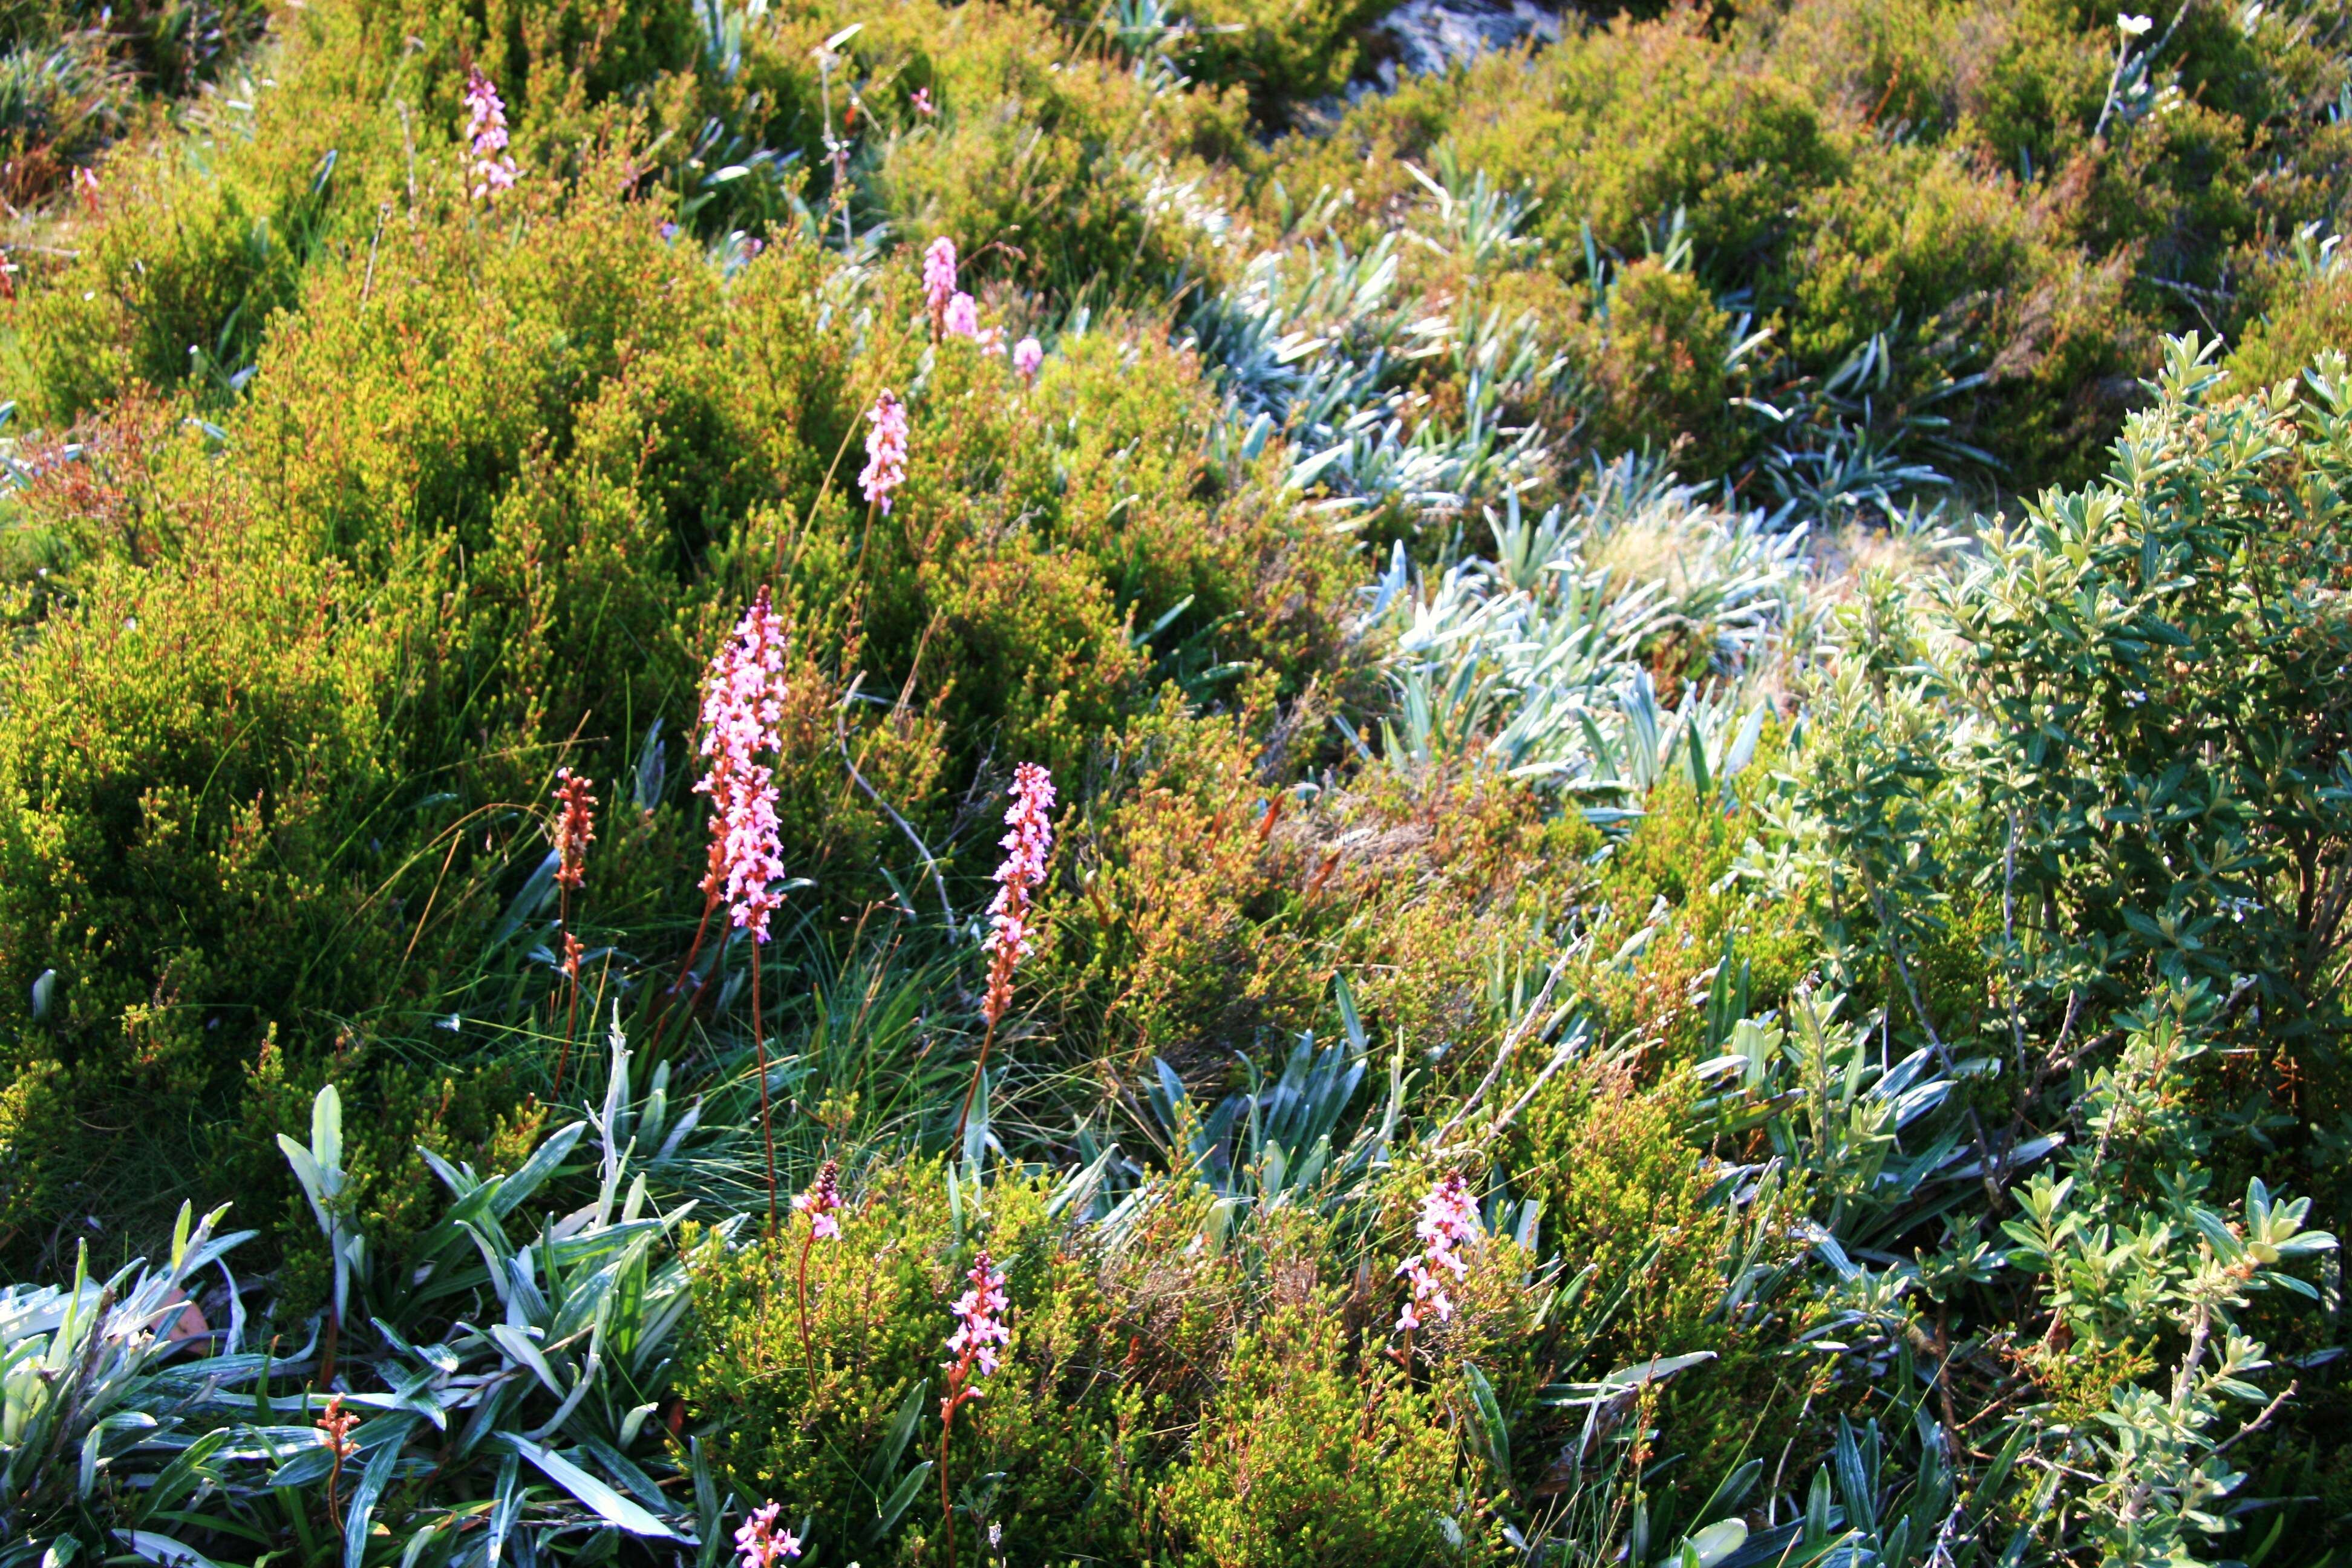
[(961, 318), (1449, 1222), (886, 451), (486, 123), (575, 827), (939, 276), (1028, 358), (821, 1201), (1017, 879), (759, 1544), (923, 105), (743, 705), (980, 1323)]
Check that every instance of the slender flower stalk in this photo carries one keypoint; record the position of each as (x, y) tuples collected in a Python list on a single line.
[(980, 1329), (1018, 878), (760, 1543), (1028, 358), (939, 281), (741, 711), (575, 829), (1448, 1224), (486, 124), (335, 1431), (820, 1202), (742, 706), (886, 451)]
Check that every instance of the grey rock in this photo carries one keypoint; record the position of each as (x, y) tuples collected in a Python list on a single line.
[(1437, 35)]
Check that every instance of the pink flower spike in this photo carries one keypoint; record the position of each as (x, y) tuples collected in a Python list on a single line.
[(821, 1201), (575, 826), (743, 706), (1448, 1224), (886, 451), (938, 276), (1028, 357), (980, 1323), (923, 105), (961, 318), (1025, 848), (486, 123), (759, 1544)]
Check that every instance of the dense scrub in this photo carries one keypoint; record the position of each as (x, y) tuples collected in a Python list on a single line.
[(1630, 955)]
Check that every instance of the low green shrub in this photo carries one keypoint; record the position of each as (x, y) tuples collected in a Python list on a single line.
[(1300, 1464), (832, 1415)]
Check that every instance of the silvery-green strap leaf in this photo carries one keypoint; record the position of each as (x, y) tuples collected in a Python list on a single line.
[(183, 1475), (373, 1481), (162, 1549), (423, 1539), (326, 1135), (609, 1505), (506, 1508), (536, 1170), (888, 1515), (94, 1444), (518, 1347), (1493, 1432)]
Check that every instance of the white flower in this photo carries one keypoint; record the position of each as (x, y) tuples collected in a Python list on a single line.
[(2131, 27)]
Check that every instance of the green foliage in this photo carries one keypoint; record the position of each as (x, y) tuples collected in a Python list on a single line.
[(1284, 53), (206, 1453), (2029, 745), (466, 529), (1484, 572), (821, 1410), (1299, 1465)]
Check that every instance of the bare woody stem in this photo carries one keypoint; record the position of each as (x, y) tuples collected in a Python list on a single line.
[(972, 1091), (334, 1483), (571, 1013), (661, 1020), (946, 1503), (807, 1349), (767, 1126)]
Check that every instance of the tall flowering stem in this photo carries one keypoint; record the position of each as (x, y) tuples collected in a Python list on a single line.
[(742, 710), (486, 124), (575, 829), (1448, 1225), (820, 1202), (939, 281), (1017, 880), (980, 1329)]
